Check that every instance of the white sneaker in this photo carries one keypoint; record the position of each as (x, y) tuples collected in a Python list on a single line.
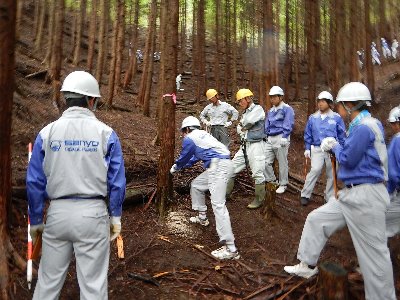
[(281, 189), (301, 270), (225, 253), (196, 219)]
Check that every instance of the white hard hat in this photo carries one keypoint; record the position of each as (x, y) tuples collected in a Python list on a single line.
[(276, 90), (81, 82), (190, 122), (394, 115), (354, 91), (325, 95)]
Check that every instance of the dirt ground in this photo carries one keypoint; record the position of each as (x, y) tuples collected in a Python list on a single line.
[(170, 259)]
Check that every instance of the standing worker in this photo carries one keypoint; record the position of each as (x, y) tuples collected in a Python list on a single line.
[(393, 184), (76, 163), (278, 127), (216, 115), (361, 204), (199, 145), (324, 123), (251, 153)]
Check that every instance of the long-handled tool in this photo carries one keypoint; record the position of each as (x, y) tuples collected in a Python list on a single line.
[(29, 254), (120, 247), (335, 187)]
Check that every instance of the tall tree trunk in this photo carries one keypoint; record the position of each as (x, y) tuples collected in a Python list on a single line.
[(201, 48), (167, 136), (132, 65), (148, 53), (217, 58), (268, 51), (227, 47), (234, 83), (311, 49), (367, 47), (50, 38), (39, 24), (92, 35), (102, 40), (352, 38), (7, 62), (56, 58), (79, 32), (120, 45)]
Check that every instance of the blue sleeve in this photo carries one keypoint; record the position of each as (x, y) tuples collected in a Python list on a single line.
[(186, 157), (341, 130), (394, 165), (116, 181), (266, 124), (36, 182), (308, 138), (288, 122), (353, 151)]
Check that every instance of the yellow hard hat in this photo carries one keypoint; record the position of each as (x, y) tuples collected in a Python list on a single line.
[(243, 93), (211, 93)]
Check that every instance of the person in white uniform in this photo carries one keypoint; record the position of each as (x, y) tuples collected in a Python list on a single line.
[(361, 204), (393, 184), (198, 145), (278, 127), (251, 153), (323, 123), (77, 163), (218, 116)]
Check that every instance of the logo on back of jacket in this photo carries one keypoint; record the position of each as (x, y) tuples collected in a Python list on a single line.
[(74, 145)]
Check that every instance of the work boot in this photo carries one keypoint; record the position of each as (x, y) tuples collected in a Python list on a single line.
[(259, 197), (229, 188)]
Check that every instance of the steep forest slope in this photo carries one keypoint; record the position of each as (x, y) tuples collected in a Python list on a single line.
[(172, 256)]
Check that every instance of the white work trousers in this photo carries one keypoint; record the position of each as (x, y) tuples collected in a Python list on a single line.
[(318, 160), (273, 149), (393, 216), (79, 226), (362, 208), (256, 156), (215, 180)]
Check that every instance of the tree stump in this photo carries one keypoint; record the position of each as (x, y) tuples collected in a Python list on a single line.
[(333, 282), (270, 195)]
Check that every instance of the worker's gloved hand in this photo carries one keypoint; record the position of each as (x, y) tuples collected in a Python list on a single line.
[(173, 169), (307, 154), (328, 144), (284, 142), (35, 230), (227, 124), (207, 123), (115, 227)]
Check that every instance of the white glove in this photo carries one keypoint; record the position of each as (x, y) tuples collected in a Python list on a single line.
[(307, 154), (328, 143), (239, 130), (284, 142), (173, 169), (115, 227), (207, 123), (227, 124), (35, 230)]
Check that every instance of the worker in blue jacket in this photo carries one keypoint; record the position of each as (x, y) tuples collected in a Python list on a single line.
[(361, 204), (393, 184), (77, 164), (198, 145), (278, 127), (323, 123)]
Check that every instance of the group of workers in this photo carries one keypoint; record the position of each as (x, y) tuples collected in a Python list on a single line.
[(365, 205), (77, 163)]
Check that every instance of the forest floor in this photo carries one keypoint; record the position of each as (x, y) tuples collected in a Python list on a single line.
[(172, 256)]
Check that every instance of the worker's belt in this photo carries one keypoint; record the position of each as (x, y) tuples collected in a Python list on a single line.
[(80, 198), (349, 186), (217, 125), (275, 134)]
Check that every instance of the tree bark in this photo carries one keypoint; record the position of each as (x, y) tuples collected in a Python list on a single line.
[(79, 32), (7, 62), (333, 282), (92, 36), (102, 40), (167, 136), (368, 56)]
